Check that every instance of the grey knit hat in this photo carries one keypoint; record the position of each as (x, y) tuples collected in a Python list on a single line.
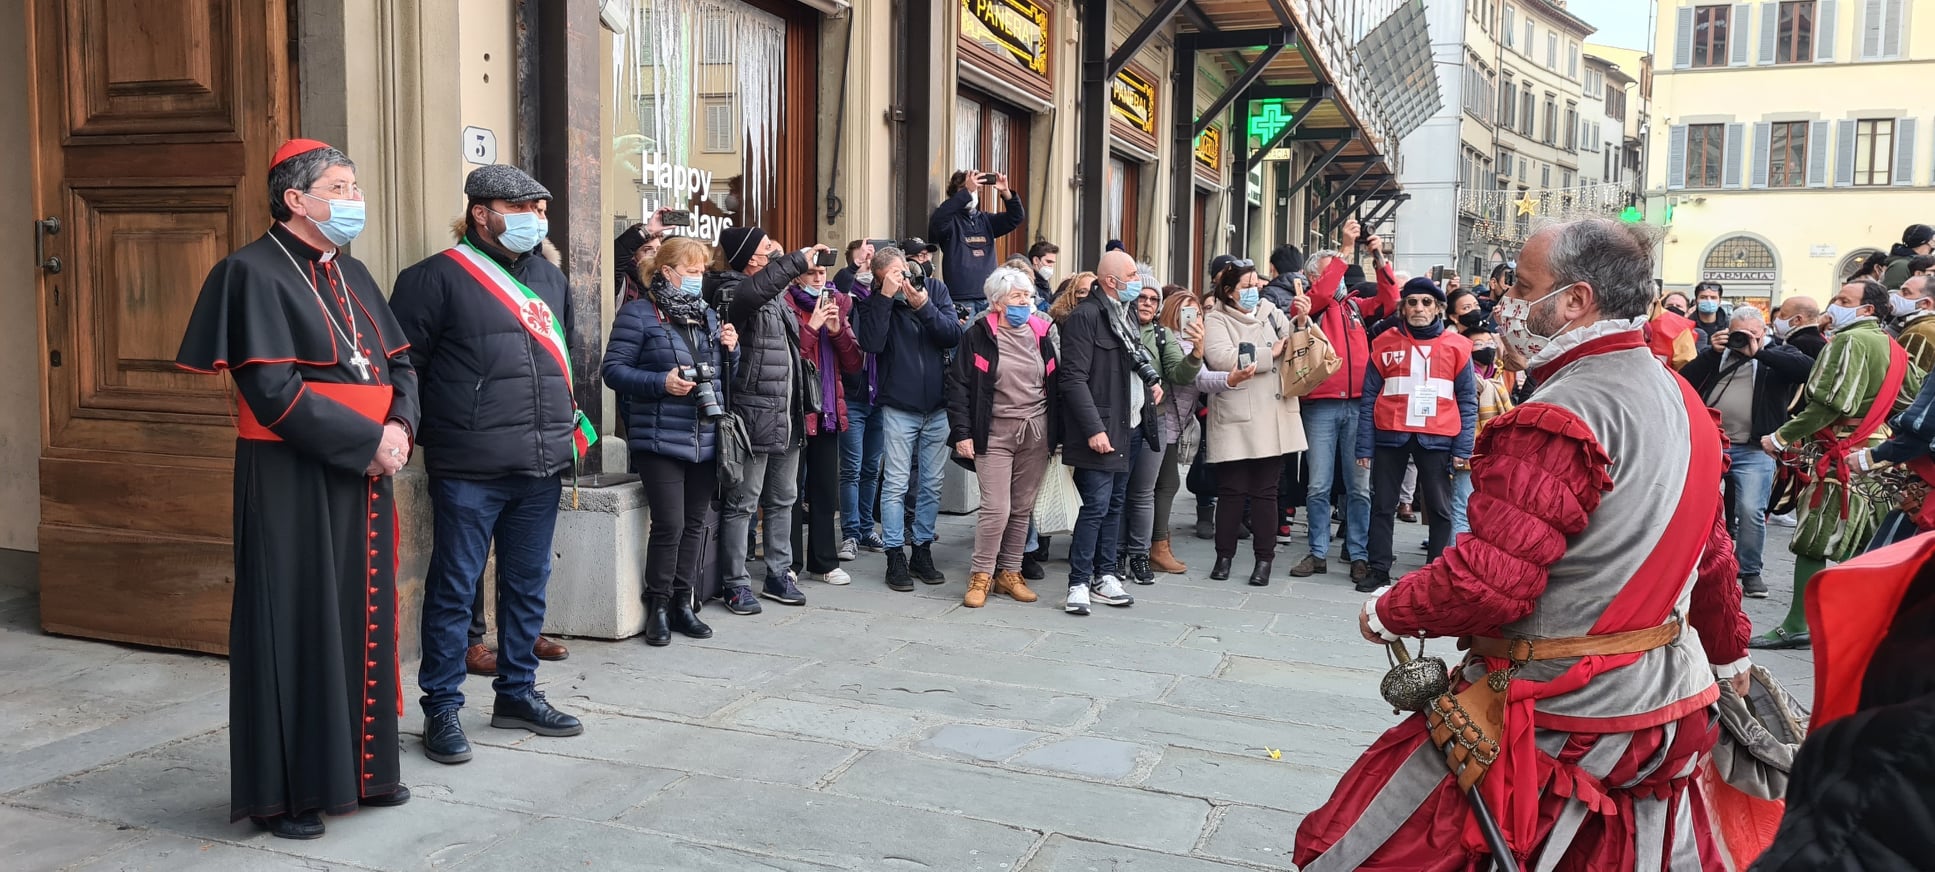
[(503, 182)]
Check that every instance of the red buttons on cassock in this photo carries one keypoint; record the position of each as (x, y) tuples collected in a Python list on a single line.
[(372, 646), (372, 552), (368, 775), (372, 590), (373, 516), (372, 683), (369, 702), (372, 572), (372, 629), (372, 610), (368, 738), (369, 756), (372, 534), (371, 664), (369, 720)]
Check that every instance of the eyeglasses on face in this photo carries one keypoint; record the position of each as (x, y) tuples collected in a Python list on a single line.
[(1420, 303), (338, 190)]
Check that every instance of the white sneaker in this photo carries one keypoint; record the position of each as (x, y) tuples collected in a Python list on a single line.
[(834, 576), (849, 549), (1077, 602), (1786, 520), (1108, 591)]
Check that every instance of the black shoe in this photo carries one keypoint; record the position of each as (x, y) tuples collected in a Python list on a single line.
[(308, 825), (657, 633), (1031, 566), (532, 712), (740, 600), (897, 577), (443, 738), (1205, 526), (1373, 579), (923, 566), (1140, 571), (1751, 585), (392, 799), (1221, 571), (680, 617), (1359, 570), (1260, 574)]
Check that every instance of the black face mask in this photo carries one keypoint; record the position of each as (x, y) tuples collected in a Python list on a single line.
[(1484, 356), (1677, 310), (1472, 318)]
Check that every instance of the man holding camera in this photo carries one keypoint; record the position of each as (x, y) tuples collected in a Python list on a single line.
[(908, 324), (1750, 382), (966, 234)]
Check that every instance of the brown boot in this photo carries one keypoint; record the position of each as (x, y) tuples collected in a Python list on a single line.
[(977, 592), (1164, 559), (1009, 582)]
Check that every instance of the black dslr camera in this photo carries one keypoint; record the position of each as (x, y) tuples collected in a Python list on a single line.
[(1144, 369), (702, 375)]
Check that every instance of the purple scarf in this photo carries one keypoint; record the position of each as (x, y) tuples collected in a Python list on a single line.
[(829, 362), (861, 291)]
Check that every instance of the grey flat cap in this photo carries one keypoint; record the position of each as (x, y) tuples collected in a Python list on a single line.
[(502, 182)]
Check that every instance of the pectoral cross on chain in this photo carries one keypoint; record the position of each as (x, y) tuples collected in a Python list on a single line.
[(362, 364)]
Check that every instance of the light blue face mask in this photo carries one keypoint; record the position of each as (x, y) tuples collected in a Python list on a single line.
[(1130, 291), (692, 285), (1248, 298), (522, 231), (1708, 307), (1018, 315), (345, 220)]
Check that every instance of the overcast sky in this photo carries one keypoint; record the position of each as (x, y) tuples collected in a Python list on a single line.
[(1623, 23)]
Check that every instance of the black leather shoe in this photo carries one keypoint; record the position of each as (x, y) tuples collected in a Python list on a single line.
[(1221, 571), (444, 740), (308, 825), (532, 712), (657, 632), (682, 619), (392, 799), (1260, 574)]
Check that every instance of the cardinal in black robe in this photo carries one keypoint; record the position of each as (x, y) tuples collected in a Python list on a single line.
[(327, 403)]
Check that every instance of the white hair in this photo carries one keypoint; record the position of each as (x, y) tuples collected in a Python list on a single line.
[(1745, 315), (1004, 280), (1314, 265)]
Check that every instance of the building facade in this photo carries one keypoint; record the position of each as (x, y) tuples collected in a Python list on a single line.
[(1788, 147), (818, 120)]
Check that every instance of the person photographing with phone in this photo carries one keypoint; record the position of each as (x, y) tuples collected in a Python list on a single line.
[(967, 234), (828, 352)]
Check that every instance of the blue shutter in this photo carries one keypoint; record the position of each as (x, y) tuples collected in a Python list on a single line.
[(1683, 39), (1904, 151), (1824, 27), (1817, 154), (1732, 149), (1844, 155), (1676, 157), (1763, 152)]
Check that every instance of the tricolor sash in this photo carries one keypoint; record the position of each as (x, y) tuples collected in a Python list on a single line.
[(531, 311)]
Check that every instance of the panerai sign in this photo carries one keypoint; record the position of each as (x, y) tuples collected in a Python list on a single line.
[(1133, 99), (681, 187), (1018, 27)]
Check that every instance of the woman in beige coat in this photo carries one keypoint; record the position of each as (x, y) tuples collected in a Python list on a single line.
[(1251, 426)]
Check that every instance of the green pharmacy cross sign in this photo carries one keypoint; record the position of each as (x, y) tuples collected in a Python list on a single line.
[(1268, 117)]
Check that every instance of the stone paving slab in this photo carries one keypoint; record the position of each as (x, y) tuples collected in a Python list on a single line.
[(846, 724), (711, 750), (562, 843), (1252, 780), (41, 840), (1063, 854), (1067, 676), (949, 695), (1254, 835)]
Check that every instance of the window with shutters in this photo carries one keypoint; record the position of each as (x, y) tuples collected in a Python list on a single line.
[(1530, 30), (1545, 175), (1508, 103), (1794, 33), (1504, 162), (1551, 120), (1874, 151), (1710, 35), (1572, 60), (1881, 29), (721, 126), (1787, 155), (1705, 154), (715, 36), (1571, 126), (1551, 50), (1526, 112), (1510, 27)]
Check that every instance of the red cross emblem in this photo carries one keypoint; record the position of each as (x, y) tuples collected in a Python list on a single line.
[(537, 316)]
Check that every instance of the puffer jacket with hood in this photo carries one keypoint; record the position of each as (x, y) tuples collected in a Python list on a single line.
[(765, 384)]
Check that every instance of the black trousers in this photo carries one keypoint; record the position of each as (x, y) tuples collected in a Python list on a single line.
[(1434, 496), (819, 501), (678, 494), (1294, 490), (1250, 484)]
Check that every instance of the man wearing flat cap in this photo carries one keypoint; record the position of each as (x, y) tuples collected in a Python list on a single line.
[(487, 321)]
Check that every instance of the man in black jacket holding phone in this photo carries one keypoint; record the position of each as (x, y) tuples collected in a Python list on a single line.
[(966, 234), (1750, 381)]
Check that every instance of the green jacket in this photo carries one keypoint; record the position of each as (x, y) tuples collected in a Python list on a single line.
[(1177, 368), (1846, 379)]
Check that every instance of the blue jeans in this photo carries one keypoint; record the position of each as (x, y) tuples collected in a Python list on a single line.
[(860, 450), (520, 514), (1751, 479), (1460, 496), (907, 434), (1098, 526), (1330, 426)]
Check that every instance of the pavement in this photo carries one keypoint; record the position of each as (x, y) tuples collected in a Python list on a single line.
[(868, 730)]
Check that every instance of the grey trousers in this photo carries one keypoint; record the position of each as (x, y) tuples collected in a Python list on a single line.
[(1139, 510), (771, 485)]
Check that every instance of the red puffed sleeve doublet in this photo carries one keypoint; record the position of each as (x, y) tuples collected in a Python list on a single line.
[(1537, 475)]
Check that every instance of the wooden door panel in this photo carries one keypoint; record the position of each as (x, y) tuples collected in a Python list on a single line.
[(155, 121), (151, 66)]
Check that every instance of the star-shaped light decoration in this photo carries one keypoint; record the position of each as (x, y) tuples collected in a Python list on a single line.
[(1526, 205)]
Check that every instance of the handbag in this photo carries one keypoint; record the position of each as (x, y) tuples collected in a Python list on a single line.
[(1760, 734), (1308, 359)]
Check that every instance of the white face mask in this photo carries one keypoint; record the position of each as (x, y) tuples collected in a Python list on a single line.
[(1047, 273), (1514, 316), (1782, 329), (974, 201)]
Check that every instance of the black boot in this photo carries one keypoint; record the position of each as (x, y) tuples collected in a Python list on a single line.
[(922, 566), (897, 576), (686, 621), (1221, 571), (657, 633), (1260, 575), (1206, 521)]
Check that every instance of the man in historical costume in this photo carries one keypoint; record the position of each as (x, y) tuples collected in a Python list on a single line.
[(1620, 567), (487, 321), (328, 400), (1861, 379), (1914, 305)]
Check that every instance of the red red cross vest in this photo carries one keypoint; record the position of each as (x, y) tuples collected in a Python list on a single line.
[(1420, 392)]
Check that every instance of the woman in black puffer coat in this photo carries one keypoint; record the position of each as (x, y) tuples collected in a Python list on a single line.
[(657, 342)]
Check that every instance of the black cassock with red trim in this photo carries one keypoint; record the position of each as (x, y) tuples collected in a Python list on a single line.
[(320, 366)]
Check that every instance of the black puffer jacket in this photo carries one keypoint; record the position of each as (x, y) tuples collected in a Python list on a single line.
[(765, 384), (495, 403)]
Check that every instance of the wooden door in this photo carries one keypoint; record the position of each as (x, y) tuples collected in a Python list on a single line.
[(154, 124)]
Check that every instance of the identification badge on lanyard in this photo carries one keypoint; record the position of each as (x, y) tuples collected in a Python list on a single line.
[(1424, 401)]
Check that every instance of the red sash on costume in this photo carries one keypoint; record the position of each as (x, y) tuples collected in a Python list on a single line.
[(1647, 600), (1834, 452), (370, 401)]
